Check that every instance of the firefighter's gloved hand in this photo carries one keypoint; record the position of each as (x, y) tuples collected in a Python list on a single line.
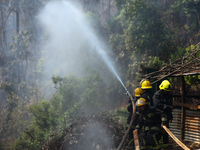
[(172, 108), (164, 123), (136, 130), (133, 117)]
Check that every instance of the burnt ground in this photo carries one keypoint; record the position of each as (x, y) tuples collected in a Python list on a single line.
[(97, 132)]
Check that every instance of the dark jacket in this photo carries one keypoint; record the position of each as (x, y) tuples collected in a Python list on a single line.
[(130, 109), (148, 95), (152, 118), (163, 102)]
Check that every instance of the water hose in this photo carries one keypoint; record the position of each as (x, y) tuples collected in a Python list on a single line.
[(132, 119)]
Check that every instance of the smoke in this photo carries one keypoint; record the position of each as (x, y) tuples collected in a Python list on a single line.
[(70, 45), (97, 138), (93, 136), (62, 23), (71, 42), (69, 38)]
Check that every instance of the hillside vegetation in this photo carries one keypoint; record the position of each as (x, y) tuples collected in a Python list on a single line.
[(52, 74)]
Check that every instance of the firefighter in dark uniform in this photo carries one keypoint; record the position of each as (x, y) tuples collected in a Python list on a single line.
[(151, 118), (148, 95), (137, 93), (162, 99)]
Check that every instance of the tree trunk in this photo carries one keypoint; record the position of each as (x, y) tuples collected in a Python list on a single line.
[(17, 21)]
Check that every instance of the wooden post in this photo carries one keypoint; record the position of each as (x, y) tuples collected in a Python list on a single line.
[(157, 86), (17, 22), (183, 99), (136, 140)]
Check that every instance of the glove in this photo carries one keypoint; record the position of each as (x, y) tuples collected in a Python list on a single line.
[(164, 123)]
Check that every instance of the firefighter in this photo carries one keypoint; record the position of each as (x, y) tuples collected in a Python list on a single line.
[(137, 93), (148, 95), (151, 119), (162, 99)]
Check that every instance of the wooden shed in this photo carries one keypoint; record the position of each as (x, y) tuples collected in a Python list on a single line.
[(186, 122)]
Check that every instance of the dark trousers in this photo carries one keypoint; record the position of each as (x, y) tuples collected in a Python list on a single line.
[(165, 138), (151, 139), (130, 137), (130, 134)]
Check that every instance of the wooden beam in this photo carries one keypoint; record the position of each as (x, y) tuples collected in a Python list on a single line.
[(157, 86), (136, 140), (173, 72), (175, 138), (191, 106), (189, 96), (182, 134)]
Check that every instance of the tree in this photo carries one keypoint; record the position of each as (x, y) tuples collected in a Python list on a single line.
[(17, 65), (141, 33)]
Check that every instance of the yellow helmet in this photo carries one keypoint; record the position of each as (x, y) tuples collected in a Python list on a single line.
[(165, 85), (146, 84), (142, 81), (138, 91), (141, 102)]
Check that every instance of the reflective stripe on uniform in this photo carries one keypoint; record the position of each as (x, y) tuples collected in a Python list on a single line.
[(161, 140), (157, 129), (151, 115), (146, 128), (155, 147), (149, 101), (144, 143), (137, 127), (165, 145), (138, 113), (164, 119), (154, 138), (130, 141)]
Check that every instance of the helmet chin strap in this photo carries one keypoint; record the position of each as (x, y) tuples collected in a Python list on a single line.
[(165, 92)]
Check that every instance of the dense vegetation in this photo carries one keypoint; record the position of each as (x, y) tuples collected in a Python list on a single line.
[(148, 32)]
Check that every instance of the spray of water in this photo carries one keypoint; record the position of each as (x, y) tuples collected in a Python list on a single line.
[(64, 22), (96, 42), (66, 26)]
